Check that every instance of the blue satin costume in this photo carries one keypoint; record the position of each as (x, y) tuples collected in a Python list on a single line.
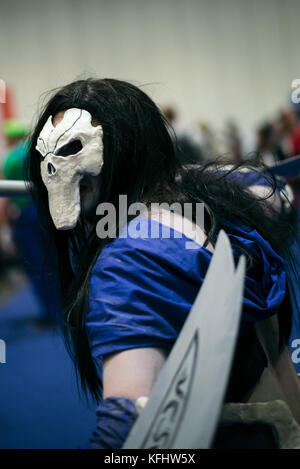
[(142, 289)]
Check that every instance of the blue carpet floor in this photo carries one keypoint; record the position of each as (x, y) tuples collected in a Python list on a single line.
[(39, 402)]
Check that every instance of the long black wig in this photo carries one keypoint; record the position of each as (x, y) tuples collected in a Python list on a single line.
[(139, 161)]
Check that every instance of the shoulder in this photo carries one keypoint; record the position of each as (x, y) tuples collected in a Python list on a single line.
[(163, 238), (142, 288)]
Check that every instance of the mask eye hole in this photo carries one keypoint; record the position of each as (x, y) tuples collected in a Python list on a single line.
[(70, 148)]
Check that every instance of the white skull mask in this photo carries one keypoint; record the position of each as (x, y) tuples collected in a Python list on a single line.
[(71, 150)]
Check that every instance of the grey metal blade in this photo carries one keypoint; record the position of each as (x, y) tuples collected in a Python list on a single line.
[(185, 402)]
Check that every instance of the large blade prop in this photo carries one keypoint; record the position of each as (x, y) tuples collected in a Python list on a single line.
[(184, 406)]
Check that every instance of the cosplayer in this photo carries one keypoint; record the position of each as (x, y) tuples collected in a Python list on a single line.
[(126, 297)]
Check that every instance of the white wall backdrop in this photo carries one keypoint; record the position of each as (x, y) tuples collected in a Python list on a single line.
[(214, 59)]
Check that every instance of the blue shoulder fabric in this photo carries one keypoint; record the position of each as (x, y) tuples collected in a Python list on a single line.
[(253, 178), (292, 256), (142, 289)]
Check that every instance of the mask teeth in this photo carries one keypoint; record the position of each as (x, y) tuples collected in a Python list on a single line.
[(63, 224), (65, 207)]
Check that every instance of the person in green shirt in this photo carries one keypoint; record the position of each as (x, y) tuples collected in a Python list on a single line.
[(22, 217)]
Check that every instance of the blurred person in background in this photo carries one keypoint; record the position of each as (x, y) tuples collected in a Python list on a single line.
[(269, 149), (14, 132), (187, 141), (289, 129), (210, 144), (21, 216), (233, 142)]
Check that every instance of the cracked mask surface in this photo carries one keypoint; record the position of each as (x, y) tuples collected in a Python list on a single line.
[(70, 150)]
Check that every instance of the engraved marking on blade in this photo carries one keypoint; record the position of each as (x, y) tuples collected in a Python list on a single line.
[(168, 417)]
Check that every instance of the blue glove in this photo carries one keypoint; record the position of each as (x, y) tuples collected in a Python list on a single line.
[(115, 418)]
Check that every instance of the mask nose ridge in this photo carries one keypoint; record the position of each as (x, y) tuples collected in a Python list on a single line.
[(51, 169)]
